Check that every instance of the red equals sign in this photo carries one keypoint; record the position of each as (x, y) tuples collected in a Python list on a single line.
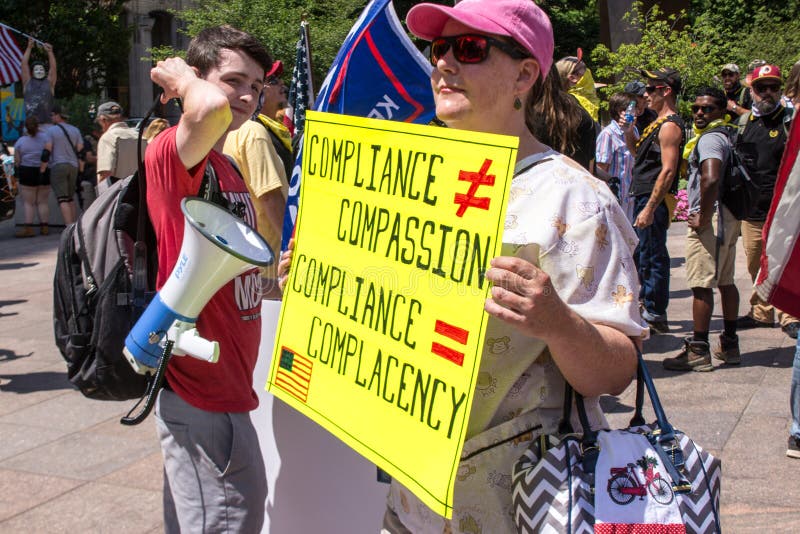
[(455, 333)]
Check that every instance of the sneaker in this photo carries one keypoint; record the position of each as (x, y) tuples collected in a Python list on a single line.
[(728, 350), (658, 327), (747, 322), (793, 447), (25, 231), (693, 357), (791, 329)]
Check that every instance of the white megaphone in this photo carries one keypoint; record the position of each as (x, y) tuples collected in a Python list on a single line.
[(217, 247)]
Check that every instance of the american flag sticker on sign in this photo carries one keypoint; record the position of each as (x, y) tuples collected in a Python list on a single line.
[(294, 374)]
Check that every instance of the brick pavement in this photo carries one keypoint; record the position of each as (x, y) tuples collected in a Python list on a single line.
[(66, 465)]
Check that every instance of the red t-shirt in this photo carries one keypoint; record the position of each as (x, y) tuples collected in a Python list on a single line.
[(233, 315)]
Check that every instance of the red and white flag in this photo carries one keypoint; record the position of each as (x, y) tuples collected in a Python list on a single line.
[(778, 280), (10, 58)]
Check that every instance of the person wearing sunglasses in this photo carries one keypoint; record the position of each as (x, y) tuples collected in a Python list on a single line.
[(711, 237), (738, 95), (562, 306), (655, 170), (761, 142)]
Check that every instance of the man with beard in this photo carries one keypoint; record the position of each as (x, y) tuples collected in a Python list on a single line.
[(739, 99), (38, 84), (761, 141)]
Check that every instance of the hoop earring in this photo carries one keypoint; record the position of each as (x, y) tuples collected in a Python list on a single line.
[(517, 103)]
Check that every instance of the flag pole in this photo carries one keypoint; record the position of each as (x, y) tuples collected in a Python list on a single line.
[(22, 33), (304, 24)]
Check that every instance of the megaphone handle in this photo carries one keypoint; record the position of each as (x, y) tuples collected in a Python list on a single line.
[(152, 391)]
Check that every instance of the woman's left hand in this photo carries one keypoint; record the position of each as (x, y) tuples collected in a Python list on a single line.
[(523, 295)]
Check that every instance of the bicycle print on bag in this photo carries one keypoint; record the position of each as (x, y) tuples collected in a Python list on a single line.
[(624, 483)]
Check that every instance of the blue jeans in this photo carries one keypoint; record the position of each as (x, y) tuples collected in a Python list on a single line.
[(652, 261), (794, 398)]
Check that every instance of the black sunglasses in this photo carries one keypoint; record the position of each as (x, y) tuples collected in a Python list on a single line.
[(705, 109), (652, 88), (762, 87), (471, 48), (272, 80)]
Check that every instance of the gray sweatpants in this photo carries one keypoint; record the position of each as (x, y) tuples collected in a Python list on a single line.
[(214, 476)]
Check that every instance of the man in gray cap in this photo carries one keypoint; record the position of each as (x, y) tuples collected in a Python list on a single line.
[(739, 98), (116, 149), (644, 115)]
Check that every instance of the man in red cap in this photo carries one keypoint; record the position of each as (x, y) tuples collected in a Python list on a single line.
[(761, 141)]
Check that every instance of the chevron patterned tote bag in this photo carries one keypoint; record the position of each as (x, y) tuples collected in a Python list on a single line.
[(645, 478)]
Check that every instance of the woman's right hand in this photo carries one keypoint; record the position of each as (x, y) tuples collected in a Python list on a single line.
[(285, 264)]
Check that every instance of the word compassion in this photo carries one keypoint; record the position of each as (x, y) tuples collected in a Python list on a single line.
[(447, 251)]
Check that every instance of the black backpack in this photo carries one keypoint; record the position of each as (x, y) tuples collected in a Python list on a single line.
[(104, 278), (737, 191)]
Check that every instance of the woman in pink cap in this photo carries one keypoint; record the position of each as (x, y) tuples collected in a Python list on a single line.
[(563, 304)]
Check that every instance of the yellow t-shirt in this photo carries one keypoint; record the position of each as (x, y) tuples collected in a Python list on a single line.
[(251, 148)]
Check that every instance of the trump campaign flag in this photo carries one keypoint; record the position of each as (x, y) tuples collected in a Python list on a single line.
[(778, 280), (10, 57), (377, 73)]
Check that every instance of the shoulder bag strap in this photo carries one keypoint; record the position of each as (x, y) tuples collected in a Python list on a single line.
[(69, 141)]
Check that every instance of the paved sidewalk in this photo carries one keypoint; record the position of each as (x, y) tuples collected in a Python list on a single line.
[(67, 465)]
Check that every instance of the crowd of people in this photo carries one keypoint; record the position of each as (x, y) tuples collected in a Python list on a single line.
[(493, 71)]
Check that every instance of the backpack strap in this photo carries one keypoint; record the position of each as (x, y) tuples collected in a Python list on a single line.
[(210, 190), (741, 96), (744, 120), (139, 289)]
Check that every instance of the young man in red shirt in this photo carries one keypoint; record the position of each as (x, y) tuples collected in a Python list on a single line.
[(214, 478)]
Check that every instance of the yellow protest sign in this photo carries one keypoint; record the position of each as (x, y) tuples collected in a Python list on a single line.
[(382, 325)]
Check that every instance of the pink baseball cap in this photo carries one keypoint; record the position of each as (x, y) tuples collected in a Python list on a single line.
[(522, 20)]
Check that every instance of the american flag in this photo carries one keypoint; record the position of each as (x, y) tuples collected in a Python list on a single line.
[(294, 374), (10, 57), (301, 90)]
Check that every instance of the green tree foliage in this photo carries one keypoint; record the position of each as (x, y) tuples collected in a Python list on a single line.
[(662, 44), (716, 32), (277, 24), (576, 23), (89, 38)]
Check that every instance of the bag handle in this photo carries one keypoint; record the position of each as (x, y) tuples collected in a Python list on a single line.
[(666, 447)]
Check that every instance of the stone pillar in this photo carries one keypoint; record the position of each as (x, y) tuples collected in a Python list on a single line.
[(141, 88), (615, 31)]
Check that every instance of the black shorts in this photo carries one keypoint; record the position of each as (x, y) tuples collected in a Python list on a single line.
[(31, 177)]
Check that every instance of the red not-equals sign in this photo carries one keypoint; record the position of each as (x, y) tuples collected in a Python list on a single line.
[(455, 333)]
